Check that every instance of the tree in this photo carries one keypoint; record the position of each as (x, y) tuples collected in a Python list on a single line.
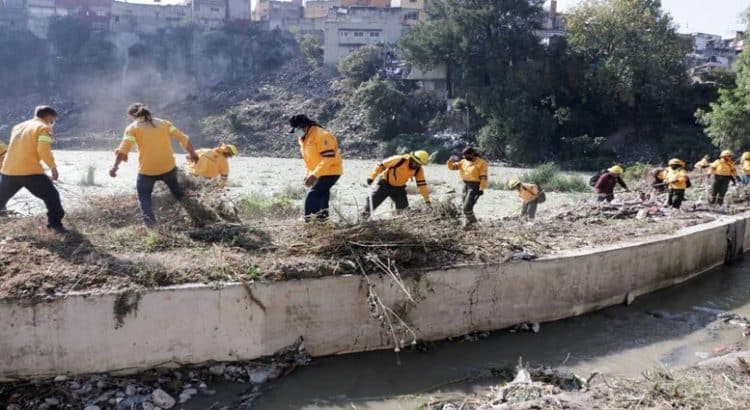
[(382, 103), (728, 121), (363, 63), (312, 48)]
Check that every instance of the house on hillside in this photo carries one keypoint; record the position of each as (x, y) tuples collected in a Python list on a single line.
[(13, 14), (147, 18)]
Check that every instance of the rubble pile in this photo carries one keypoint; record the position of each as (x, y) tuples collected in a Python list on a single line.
[(160, 388)]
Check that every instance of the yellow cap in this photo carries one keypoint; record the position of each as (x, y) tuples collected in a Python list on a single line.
[(676, 161), (746, 155), (726, 153), (616, 170), (513, 183), (229, 149), (423, 157)]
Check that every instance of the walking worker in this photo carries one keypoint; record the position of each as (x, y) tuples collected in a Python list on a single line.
[(473, 171), (530, 195), (703, 164), (3, 150), (156, 160), (392, 176), (605, 185), (323, 165), (723, 171), (30, 145), (678, 180), (213, 162), (745, 178)]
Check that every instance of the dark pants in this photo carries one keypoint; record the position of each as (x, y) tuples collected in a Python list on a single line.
[(606, 197), (528, 209), (471, 195), (318, 198), (384, 191), (719, 189), (675, 198), (145, 187), (40, 186)]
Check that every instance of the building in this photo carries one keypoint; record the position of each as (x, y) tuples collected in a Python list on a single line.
[(703, 41), (416, 5), (366, 3), (318, 9), (97, 12), (238, 10), (209, 13), (13, 14), (277, 11), (147, 18), (347, 29), (554, 24)]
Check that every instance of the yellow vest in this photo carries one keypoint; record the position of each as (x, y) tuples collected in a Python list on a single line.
[(723, 168), (397, 172), (677, 178), (211, 163), (320, 152), (527, 192), (472, 171), (30, 144), (154, 142)]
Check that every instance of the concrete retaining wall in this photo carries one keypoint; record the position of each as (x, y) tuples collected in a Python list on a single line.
[(193, 324)]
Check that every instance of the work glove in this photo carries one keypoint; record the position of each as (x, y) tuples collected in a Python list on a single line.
[(428, 204), (480, 193), (369, 181)]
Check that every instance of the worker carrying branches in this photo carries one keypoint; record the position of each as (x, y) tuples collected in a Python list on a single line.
[(30, 145), (678, 179), (723, 171), (213, 162), (156, 160), (392, 176), (605, 184), (473, 170), (323, 165)]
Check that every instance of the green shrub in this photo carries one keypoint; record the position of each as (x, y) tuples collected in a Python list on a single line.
[(550, 178), (363, 63), (293, 191), (636, 171)]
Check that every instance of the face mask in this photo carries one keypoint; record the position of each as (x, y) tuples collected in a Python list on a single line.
[(52, 124)]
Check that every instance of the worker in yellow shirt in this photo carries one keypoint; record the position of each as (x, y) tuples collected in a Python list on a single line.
[(156, 160), (323, 165), (678, 180), (723, 171), (531, 195), (392, 176), (473, 171), (30, 145), (213, 163), (745, 168), (703, 164)]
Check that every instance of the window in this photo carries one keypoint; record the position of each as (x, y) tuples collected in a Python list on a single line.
[(359, 34), (374, 34), (214, 9)]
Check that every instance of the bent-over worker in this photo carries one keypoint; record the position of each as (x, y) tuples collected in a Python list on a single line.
[(529, 194), (473, 171), (723, 171), (392, 176), (213, 162), (678, 180), (605, 186)]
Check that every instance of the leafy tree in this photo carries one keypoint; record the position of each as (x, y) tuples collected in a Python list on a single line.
[(362, 64), (728, 122), (382, 103), (312, 48), (68, 35)]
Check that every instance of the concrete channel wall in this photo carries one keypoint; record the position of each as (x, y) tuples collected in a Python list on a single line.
[(195, 324)]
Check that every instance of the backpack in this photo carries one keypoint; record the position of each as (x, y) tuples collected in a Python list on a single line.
[(594, 179), (541, 196)]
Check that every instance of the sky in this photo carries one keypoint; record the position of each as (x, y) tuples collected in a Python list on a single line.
[(704, 16)]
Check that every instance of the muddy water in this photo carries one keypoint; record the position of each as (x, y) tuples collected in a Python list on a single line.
[(672, 327)]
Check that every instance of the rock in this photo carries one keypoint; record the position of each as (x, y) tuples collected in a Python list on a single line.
[(147, 405), (92, 407), (207, 392), (74, 385), (217, 370), (130, 390), (259, 375), (162, 399), (61, 378), (535, 327), (101, 384), (52, 401), (13, 407), (187, 394)]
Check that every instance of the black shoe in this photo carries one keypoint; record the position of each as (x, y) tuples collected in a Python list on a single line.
[(58, 228)]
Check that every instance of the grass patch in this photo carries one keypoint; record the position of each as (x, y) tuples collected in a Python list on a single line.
[(550, 178), (259, 206), (294, 192), (637, 171)]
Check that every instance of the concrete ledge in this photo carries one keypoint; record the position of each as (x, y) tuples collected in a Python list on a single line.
[(194, 324)]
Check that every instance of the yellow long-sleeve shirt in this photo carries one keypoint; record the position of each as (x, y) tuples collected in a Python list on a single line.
[(746, 166), (155, 153), (320, 152), (211, 164), (527, 192), (396, 172), (677, 179), (30, 144), (723, 168), (3, 150), (702, 164), (471, 171)]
